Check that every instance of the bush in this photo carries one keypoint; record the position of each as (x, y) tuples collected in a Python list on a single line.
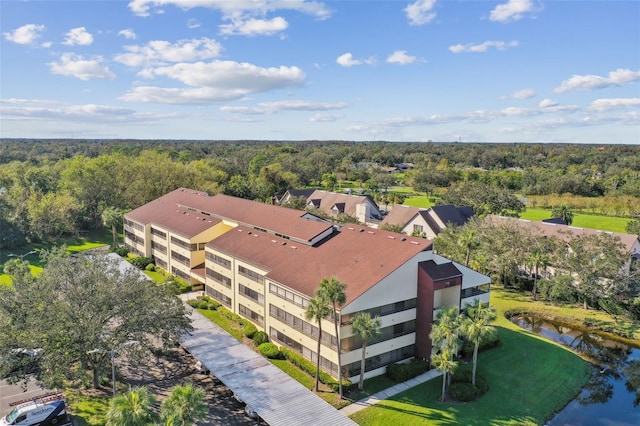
[(404, 372), (122, 251), (310, 368), (141, 262), (270, 351), (250, 330), (488, 342), (260, 337), (462, 390), (150, 267), (233, 317)]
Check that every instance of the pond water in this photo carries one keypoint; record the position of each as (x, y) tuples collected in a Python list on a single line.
[(612, 395)]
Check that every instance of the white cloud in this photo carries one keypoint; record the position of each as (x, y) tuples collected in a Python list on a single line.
[(614, 103), (193, 24), (420, 12), (76, 66), (252, 27), (482, 47), (216, 81), (618, 77), (25, 34), (127, 33), (160, 52), (519, 112), (512, 10), (78, 36), (346, 60), (400, 57), (276, 106), (243, 110), (547, 103), (324, 118), (46, 44), (521, 94)]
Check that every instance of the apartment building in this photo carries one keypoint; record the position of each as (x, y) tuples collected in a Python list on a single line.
[(264, 262)]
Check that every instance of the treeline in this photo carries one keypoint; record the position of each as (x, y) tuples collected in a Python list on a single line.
[(50, 188)]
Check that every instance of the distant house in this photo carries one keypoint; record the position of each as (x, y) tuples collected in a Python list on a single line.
[(295, 193), (362, 207), (630, 242), (427, 223)]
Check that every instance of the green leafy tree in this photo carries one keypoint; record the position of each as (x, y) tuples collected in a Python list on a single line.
[(81, 308), (334, 290), (365, 328), (633, 227), (185, 405), (329, 181), (476, 327), (563, 212), (133, 408), (537, 260), (469, 242), (484, 199), (112, 218), (318, 310)]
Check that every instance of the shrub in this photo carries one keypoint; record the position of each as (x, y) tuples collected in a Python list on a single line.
[(270, 351), (150, 267), (310, 368), (233, 317), (260, 337), (250, 330), (464, 392), (122, 251), (404, 372), (141, 262), (490, 341)]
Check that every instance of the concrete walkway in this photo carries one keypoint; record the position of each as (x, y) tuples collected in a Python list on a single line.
[(389, 392)]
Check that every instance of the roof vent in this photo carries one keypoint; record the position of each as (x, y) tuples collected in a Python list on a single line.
[(391, 237), (370, 232), (361, 230), (294, 247), (350, 228), (403, 239), (415, 242), (248, 232), (284, 243)]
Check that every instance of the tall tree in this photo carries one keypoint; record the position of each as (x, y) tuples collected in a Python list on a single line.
[(318, 310), (365, 328), (334, 290), (133, 408), (185, 405), (443, 361), (563, 212), (112, 218), (445, 338), (476, 327), (468, 240), (79, 309), (537, 260)]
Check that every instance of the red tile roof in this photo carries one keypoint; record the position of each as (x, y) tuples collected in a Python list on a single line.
[(187, 203), (356, 255)]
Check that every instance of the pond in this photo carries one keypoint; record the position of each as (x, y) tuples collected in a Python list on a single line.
[(612, 395)]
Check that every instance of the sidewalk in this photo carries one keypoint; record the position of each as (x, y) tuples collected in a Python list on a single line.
[(389, 392)]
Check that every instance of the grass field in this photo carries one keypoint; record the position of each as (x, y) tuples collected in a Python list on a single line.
[(603, 223)]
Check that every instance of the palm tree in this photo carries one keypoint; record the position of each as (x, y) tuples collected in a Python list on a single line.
[(111, 218), (443, 361), (468, 241), (476, 327), (133, 408), (318, 310), (564, 213), (537, 259), (334, 290), (184, 406), (365, 328), (445, 333)]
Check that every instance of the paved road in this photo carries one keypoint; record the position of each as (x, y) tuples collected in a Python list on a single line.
[(17, 392)]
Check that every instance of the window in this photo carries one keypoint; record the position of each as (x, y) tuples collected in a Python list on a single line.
[(417, 228), (253, 316), (296, 323), (289, 296), (252, 275), (217, 277), (224, 299), (383, 310), (159, 233), (225, 263), (251, 294), (180, 258)]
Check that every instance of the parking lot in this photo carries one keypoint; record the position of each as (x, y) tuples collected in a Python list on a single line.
[(160, 375)]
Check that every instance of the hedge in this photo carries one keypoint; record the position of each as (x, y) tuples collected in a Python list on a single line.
[(260, 337), (309, 367), (492, 340), (404, 372), (250, 330), (270, 350)]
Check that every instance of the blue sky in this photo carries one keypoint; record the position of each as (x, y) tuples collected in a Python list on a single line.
[(439, 70)]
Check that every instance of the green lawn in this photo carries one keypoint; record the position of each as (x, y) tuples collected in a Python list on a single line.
[(418, 201), (87, 241), (230, 326), (604, 223), (87, 410)]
